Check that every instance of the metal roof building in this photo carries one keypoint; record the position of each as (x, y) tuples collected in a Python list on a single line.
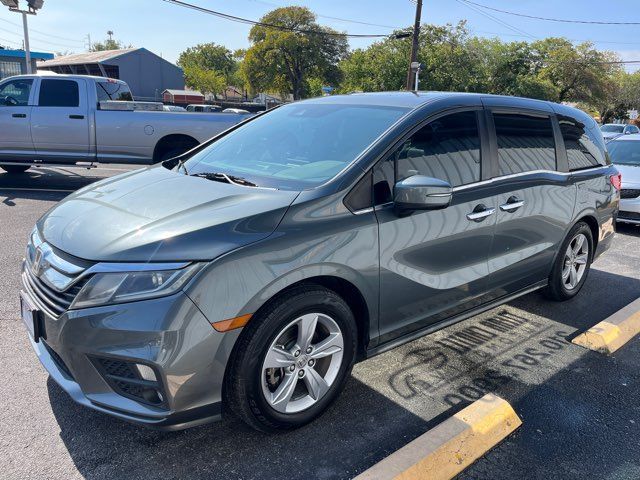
[(13, 62), (147, 74)]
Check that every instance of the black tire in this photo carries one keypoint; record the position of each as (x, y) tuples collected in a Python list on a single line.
[(176, 150), (243, 381), (556, 289), (15, 168)]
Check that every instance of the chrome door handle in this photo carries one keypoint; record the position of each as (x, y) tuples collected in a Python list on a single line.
[(512, 204), (480, 215)]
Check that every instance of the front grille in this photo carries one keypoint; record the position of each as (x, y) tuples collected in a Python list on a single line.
[(629, 215), (52, 302), (630, 193), (51, 278)]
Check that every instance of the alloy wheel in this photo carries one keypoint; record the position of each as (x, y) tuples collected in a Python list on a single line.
[(302, 363), (575, 263)]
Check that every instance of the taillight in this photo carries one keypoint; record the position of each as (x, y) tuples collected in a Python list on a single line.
[(616, 181)]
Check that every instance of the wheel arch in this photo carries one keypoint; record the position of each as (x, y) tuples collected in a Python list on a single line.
[(171, 141)]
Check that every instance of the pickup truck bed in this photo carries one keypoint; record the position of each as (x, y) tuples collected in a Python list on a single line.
[(61, 119)]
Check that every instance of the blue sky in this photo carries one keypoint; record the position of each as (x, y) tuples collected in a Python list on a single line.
[(168, 29)]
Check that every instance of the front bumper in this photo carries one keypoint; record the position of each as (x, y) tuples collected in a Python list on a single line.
[(170, 335)]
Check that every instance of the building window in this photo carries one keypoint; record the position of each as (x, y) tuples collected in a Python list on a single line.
[(9, 69)]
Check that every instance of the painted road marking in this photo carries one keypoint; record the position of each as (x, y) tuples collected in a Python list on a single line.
[(450, 447), (613, 332)]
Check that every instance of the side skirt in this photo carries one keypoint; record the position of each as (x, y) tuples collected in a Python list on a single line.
[(450, 321)]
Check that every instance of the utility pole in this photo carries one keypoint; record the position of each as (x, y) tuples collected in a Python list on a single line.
[(414, 46), (27, 51)]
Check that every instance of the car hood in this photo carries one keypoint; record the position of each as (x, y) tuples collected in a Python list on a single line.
[(154, 215), (630, 175)]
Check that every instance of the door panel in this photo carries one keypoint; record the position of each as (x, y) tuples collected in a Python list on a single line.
[(15, 116), (60, 122), (535, 202), (433, 263), (527, 238)]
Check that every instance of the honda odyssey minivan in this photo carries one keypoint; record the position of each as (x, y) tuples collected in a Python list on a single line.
[(249, 274)]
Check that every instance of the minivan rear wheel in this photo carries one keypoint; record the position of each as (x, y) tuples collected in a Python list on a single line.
[(572, 264), (292, 360)]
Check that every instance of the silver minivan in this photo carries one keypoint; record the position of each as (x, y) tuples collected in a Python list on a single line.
[(250, 273)]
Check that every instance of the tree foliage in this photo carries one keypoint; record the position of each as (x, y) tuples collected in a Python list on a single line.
[(203, 80), (209, 56), (282, 60), (108, 44)]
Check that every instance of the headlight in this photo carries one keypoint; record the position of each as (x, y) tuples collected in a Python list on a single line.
[(120, 287)]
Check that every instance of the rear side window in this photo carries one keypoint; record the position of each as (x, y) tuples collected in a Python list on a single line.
[(525, 143), (447, 148), (59, 93), (582, 151), (113, 91)]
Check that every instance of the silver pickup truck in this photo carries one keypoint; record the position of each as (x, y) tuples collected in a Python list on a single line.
[(67, 119)]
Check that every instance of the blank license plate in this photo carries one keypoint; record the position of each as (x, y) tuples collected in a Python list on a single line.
[(29, 316)]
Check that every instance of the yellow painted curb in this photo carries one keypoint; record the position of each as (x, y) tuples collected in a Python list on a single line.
[(447, 449), (613, 332)]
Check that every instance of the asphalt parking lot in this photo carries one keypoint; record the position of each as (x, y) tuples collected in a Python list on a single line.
[(580, 409)]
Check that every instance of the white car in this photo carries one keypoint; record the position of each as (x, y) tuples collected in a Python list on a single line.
[(614, 130), (236, 110), (173, 108), (625, 155)]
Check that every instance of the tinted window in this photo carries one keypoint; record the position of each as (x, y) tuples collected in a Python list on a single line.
[(447, 148), (59, 93), (582, 152), (525, 143), (113, 91), (633, 129), (298, 145), (15, 93), (625, 152)]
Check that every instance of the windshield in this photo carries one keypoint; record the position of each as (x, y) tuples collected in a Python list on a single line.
[(612, 128), (625, 152), (296, 146)]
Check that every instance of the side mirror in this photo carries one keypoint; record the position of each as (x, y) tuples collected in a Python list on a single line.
[(419, 192)]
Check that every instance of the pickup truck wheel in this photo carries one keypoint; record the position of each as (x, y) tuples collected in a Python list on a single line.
[(15, 168)]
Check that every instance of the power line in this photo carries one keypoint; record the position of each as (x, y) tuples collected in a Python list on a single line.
[(497, 20), (547, 19), (247, 21), (75, 40), (348, 20)]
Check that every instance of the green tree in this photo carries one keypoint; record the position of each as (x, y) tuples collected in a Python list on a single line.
[(209, 56), (283, 61), (204, 81), (108, 44)]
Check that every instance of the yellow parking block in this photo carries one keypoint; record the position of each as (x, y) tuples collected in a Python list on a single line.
[(447, 449), (613, 332)]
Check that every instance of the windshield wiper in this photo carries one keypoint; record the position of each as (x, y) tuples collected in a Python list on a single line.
[(223, 177)]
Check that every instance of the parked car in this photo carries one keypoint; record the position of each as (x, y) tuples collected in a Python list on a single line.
[(65, 119), (254, 270), (203, 108), (235, 110), (174, 108), (625, 155), (613, 130)]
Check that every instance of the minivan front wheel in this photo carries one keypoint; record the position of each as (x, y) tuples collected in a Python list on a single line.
[(572, 264), (292, 361)]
